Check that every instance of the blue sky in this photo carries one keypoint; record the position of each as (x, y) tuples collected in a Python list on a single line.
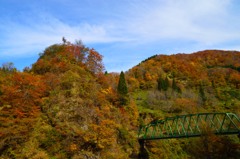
[(125, 32)]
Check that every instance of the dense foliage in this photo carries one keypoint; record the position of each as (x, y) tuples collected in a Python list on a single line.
[(64, 106), (205, 81)]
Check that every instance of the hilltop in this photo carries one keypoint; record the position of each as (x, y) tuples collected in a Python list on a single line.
[(207, 79)]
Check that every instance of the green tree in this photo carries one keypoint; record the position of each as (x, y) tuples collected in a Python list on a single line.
[(175, 87), (122, 89), (122, 85), (160, 82), (166, 83), (163, 84), (202, 94)]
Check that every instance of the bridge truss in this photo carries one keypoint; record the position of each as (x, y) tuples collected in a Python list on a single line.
[(191, 125)]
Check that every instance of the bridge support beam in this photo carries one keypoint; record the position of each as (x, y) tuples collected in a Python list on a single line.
[(143, 154)]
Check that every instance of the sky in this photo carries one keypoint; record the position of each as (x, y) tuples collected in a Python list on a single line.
[(125, 32)]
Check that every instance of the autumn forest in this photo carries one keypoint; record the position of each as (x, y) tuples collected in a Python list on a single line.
[(66, 105)]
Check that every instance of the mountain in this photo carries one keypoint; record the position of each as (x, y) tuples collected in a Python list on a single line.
[(64, 106), (208, 79)]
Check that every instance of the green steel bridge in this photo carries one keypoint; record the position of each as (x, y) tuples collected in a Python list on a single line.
[(190, 125)]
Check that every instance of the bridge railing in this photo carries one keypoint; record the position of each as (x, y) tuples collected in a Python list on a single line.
[(191, 125)]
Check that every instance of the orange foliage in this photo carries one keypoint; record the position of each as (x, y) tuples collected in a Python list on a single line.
[(60, 58), (235, 79), (207, 66), (94, 62), (19, 105), (23, 91)]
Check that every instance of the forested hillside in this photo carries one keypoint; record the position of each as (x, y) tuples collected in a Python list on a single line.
[(206, 81), (65, 106)]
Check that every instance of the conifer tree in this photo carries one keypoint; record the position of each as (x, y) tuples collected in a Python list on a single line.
[(163, 84), (202, 94), (122, 85), (166, 83), (160, 84), (122, 89), (175, 87)]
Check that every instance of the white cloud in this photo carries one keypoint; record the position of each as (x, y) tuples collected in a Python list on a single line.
[(40, 32), (205, 21)]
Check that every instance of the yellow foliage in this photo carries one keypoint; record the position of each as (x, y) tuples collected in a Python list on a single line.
[(73, 147), (148, 76)]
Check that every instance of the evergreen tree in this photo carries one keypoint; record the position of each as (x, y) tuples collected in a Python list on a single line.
[(122, 85), (166, 83), (160, 84), (202, 94), (163, 84), (122, 89), (175, 87)]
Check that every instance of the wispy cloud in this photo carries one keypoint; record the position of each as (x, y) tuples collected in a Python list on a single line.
[(47, 31), (205, 21)]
